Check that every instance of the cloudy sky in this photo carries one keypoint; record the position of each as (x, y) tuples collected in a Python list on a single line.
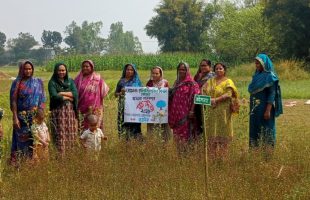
[(34, 16)]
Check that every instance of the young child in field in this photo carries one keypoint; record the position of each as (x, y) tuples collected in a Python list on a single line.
[(92, 137), (41, 136)]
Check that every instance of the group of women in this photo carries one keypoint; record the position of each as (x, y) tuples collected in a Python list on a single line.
[(85, 95)]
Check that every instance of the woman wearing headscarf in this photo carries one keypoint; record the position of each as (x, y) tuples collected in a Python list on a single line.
[(157, 80), (129, 78), (265, 103), (203, 74), (91, 91), (26, 96), (218, 118), (181, 115), (63, 105)]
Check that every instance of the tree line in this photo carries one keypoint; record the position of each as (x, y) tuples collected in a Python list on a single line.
[(234, 30)]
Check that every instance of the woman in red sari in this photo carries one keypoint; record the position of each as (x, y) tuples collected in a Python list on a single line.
[(91, 89), (181, 116)]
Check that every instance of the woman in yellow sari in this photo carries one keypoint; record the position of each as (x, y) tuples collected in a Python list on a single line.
[(218, 118)]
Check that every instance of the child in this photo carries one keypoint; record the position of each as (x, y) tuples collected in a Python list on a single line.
[(41, 135), (91, 138), (157, 80)]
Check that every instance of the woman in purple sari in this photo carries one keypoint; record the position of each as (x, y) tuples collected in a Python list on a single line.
[(91, 91), (26, 96)]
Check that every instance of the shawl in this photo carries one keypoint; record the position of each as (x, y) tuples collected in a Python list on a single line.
[(134, 82), (162, 82), (55, 86), (91, 89), (26, 94), (266, 78)]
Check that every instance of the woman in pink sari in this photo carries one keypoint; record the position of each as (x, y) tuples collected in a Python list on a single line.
[(91, 89), (181, 116)]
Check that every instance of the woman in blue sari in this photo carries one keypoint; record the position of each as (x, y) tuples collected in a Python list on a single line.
[(130, 78), (265, 103), (26, 96)]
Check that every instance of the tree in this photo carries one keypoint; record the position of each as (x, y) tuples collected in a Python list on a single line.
[(179, 24), (22, 45), (51, 39), (2, 41), (84, 39), (239, 34), (122, 42), (290, 22)]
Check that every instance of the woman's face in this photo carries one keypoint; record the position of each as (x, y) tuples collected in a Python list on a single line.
[(86, 69), (27, 70), (61, 72), (219, 70), (182, 72), (258, 66), (129, 72), (204, 67), (156, 74)]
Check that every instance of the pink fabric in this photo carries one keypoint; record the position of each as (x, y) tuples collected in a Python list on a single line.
[(92, 90), (179, 107)]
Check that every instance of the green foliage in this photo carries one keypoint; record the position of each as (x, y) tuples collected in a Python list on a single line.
[(179, 24), (120, 42), (22, 45), (51, 39), (85, 38), (291, 25), (239, 34), (2, 41), (143, 61)]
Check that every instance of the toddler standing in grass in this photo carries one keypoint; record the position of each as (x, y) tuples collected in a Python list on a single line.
[(91, 138), (41, 136)]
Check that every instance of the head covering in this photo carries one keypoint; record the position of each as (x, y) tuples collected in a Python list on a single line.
[(92, 65), (55, 78), (93, 76), (22, 67), (266, 78), (135, 81), (187, 78), (161, 72), (202, 78)]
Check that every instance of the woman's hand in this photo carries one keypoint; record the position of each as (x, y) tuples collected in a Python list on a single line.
[(267, 115), (122, 91), (213, 102), (16, 123), (68, 98)]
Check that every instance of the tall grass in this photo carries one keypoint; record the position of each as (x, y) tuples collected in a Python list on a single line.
[(153, 170)]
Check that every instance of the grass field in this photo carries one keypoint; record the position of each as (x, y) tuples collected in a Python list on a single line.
[(152, 170)]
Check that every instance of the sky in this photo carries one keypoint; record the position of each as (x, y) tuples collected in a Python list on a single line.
[(34, 16)]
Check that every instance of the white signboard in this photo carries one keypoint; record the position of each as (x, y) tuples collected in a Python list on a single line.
[(146, 105)]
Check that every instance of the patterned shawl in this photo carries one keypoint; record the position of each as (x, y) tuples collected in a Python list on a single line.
[(92, 89), (27, 94)]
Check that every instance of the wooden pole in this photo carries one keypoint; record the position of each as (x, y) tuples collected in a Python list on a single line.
[(206, 153)]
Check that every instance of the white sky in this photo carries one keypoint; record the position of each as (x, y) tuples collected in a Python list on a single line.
[(34, 16)]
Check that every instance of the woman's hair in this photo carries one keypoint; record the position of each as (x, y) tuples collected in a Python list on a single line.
[(219, 63), (207, 61)]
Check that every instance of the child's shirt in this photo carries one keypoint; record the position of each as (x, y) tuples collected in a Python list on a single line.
[(92, 139), (41, 130)]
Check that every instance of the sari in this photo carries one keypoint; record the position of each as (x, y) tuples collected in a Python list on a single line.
[(127, 129), (264, 89), (181, 101), (218, 119), (201, 79), (91, 91), (161, 129), (26, 96), (64, 112)]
